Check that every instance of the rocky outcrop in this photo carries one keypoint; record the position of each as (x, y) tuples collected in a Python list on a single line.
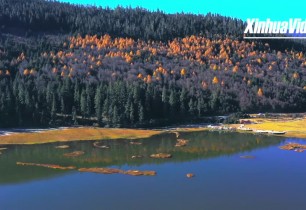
[(190, 175), (181, 143), (62, 147), (161, 155), (97, 145), (118, 171), (102, 170), (140, 173), (137, 156), (294, 146), (53, 166)]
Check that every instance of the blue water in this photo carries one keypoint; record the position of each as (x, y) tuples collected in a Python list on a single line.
[(274, 179)]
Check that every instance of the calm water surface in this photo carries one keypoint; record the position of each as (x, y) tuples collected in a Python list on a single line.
[(274, 179)]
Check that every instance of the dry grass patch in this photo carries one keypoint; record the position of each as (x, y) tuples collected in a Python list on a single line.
[(76, 134), (53, 166), (293, 127)]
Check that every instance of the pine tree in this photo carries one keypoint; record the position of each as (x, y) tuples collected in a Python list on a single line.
[(115, 117), (131, 113), (165, 102), (53, 110), (89, 93), (200, 106), (74, 116), (141, 113), (62, 104), (49, 94), (172, 103), (182, 102), (83, 104), (191, 106), (148, 101), (98, 104), (76, 96)]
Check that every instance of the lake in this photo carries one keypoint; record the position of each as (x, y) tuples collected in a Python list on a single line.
[(270, 178)]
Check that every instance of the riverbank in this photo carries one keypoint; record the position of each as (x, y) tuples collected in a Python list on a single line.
[(66, 134), (293, 127), (74, 134)]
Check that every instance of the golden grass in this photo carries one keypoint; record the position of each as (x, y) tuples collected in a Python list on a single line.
[(293, 127), (76, 134), (53, 166)]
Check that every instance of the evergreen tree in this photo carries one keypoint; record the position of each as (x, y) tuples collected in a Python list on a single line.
[(173, 104), (141, 116), (99, 105), (183, 97), (83, 105), (191, 106), (53, 110), (74, 116)]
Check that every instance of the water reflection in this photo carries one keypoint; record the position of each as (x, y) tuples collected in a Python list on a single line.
[(201, 145)]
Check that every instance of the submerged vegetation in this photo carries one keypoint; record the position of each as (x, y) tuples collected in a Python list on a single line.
[(294, 146), (94, 170), (121, 154), (53, 166)]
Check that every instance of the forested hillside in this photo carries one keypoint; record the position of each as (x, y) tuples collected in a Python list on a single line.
[(63, 64)]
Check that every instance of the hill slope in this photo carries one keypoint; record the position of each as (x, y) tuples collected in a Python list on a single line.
[(170, 68)]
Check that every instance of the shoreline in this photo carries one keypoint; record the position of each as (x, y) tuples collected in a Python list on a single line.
[(28, 136), (294, 128), (66, 134), (75, 134)]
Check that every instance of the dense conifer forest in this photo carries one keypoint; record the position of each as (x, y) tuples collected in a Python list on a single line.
[(63, 64)]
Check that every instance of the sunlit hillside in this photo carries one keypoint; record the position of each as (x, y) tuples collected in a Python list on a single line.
[(149, 68)]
